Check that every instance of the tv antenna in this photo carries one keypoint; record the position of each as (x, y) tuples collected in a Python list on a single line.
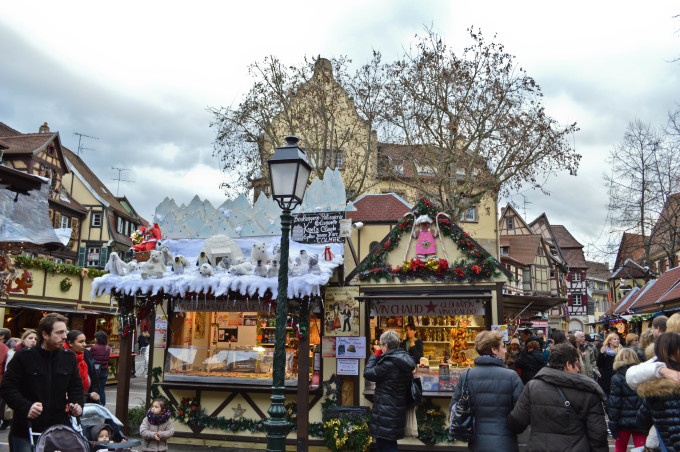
[(120, 170), (80, 141), (525, 202)]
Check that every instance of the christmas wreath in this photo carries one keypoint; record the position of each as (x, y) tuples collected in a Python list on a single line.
[(65, 284), (478, 264)]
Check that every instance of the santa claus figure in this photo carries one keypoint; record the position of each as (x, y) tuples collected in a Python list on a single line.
[(151, 234)]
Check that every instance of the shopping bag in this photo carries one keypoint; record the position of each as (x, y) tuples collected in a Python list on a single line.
[(411, 427)]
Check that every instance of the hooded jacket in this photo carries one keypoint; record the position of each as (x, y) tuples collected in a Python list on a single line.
[(661, 407), (624, 404), (554, 426), (494, 390), (392, 373)]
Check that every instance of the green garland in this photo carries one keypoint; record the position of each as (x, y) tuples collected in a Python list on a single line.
[(54, 267), (479, 265), (345, 433), (432, 427), (639, 318)]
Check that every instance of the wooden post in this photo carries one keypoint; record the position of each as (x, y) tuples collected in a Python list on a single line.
[(303, 379), (149, 367), (123, 386)]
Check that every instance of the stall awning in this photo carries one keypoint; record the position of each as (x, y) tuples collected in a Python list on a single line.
[(56, 308), (528, 305)]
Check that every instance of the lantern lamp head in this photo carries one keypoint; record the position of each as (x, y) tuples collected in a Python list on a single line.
[(289, 173)]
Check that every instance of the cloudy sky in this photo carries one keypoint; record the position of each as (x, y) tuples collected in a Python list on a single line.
[(140, 76)]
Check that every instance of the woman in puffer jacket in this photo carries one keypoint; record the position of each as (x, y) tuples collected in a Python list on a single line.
[(494, 391), (391, 368), (661, 397), (624, 404)]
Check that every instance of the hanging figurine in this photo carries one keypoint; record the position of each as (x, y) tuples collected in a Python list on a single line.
[(426, 247)]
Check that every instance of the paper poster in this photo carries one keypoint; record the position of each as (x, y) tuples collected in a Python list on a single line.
[(328, 347), (348, 367), (503, 329), (350, 347), (160, 337), (342, 316)]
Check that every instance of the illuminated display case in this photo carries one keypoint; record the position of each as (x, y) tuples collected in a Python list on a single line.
[(250, 365)]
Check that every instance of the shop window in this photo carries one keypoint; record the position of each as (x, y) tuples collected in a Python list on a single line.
[(447, 339), (96, 220), (231, 347)]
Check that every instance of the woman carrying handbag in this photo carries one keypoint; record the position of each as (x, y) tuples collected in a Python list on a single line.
[(492, 391)]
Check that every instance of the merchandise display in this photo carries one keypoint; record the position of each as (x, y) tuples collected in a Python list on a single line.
[(448, 345)]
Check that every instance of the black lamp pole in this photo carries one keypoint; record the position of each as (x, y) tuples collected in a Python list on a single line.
[(289, 173)]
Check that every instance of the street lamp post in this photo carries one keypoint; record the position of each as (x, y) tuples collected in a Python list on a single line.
[(289, 173)]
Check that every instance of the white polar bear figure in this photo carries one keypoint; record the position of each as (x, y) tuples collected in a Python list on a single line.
[(115, 265), (154, 267), (259, 253)]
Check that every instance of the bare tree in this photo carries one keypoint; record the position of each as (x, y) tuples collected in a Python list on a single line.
[(306, 101), (643, 188), (469, 125)]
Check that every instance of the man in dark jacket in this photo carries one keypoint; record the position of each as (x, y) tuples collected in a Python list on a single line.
[(555, 424), (530, 361), (38, 380), (391, 368), (527, 336)]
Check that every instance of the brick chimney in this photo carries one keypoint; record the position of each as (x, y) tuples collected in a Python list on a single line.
[(44, 128)]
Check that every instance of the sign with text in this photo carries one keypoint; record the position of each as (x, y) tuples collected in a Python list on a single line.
[(328, 347), (317, 227), (221, 306), (351, 347), (503, 329), (433, 307), (160, 336), (348, 367)]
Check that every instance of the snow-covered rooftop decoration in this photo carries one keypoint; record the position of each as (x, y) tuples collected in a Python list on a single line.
[(238, 218), (222, 282)]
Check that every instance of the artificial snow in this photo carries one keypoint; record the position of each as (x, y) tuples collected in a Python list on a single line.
[(218, 285)]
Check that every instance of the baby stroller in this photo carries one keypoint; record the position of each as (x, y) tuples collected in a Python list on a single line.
[(76, 438), (95, 414)]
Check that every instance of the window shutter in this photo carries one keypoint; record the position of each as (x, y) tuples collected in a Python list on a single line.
[(103, 256), (57, 220), (82, 254)]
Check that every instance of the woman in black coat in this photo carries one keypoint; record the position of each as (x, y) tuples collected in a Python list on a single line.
[(75, 341), (605, 362), (624, 404), (391, 368), (661, 397), (530, 362), (494, 391)]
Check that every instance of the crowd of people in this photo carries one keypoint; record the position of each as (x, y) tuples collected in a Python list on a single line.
[(572, 390), (50, 374)]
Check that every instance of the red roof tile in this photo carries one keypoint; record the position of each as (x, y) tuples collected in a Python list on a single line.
[(626, 302), (7, 131), (659, 289), (629, 270), (598, 270), (672, 295), (631, 247), (380, 207), (26, 144), (564, 237), (522, 248), (574, 257)]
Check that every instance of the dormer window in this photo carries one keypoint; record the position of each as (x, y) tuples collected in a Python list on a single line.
[(505, 250)]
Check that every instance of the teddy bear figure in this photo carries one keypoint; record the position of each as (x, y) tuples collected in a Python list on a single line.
[(426, 247)]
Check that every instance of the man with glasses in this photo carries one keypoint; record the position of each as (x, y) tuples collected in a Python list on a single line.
[(564, 408), (391, 369)]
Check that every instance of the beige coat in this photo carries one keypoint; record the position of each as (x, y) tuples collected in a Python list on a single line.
[(148, 430)]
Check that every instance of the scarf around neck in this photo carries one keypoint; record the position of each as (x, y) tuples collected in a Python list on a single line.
[(82, 368), (157, 419)]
